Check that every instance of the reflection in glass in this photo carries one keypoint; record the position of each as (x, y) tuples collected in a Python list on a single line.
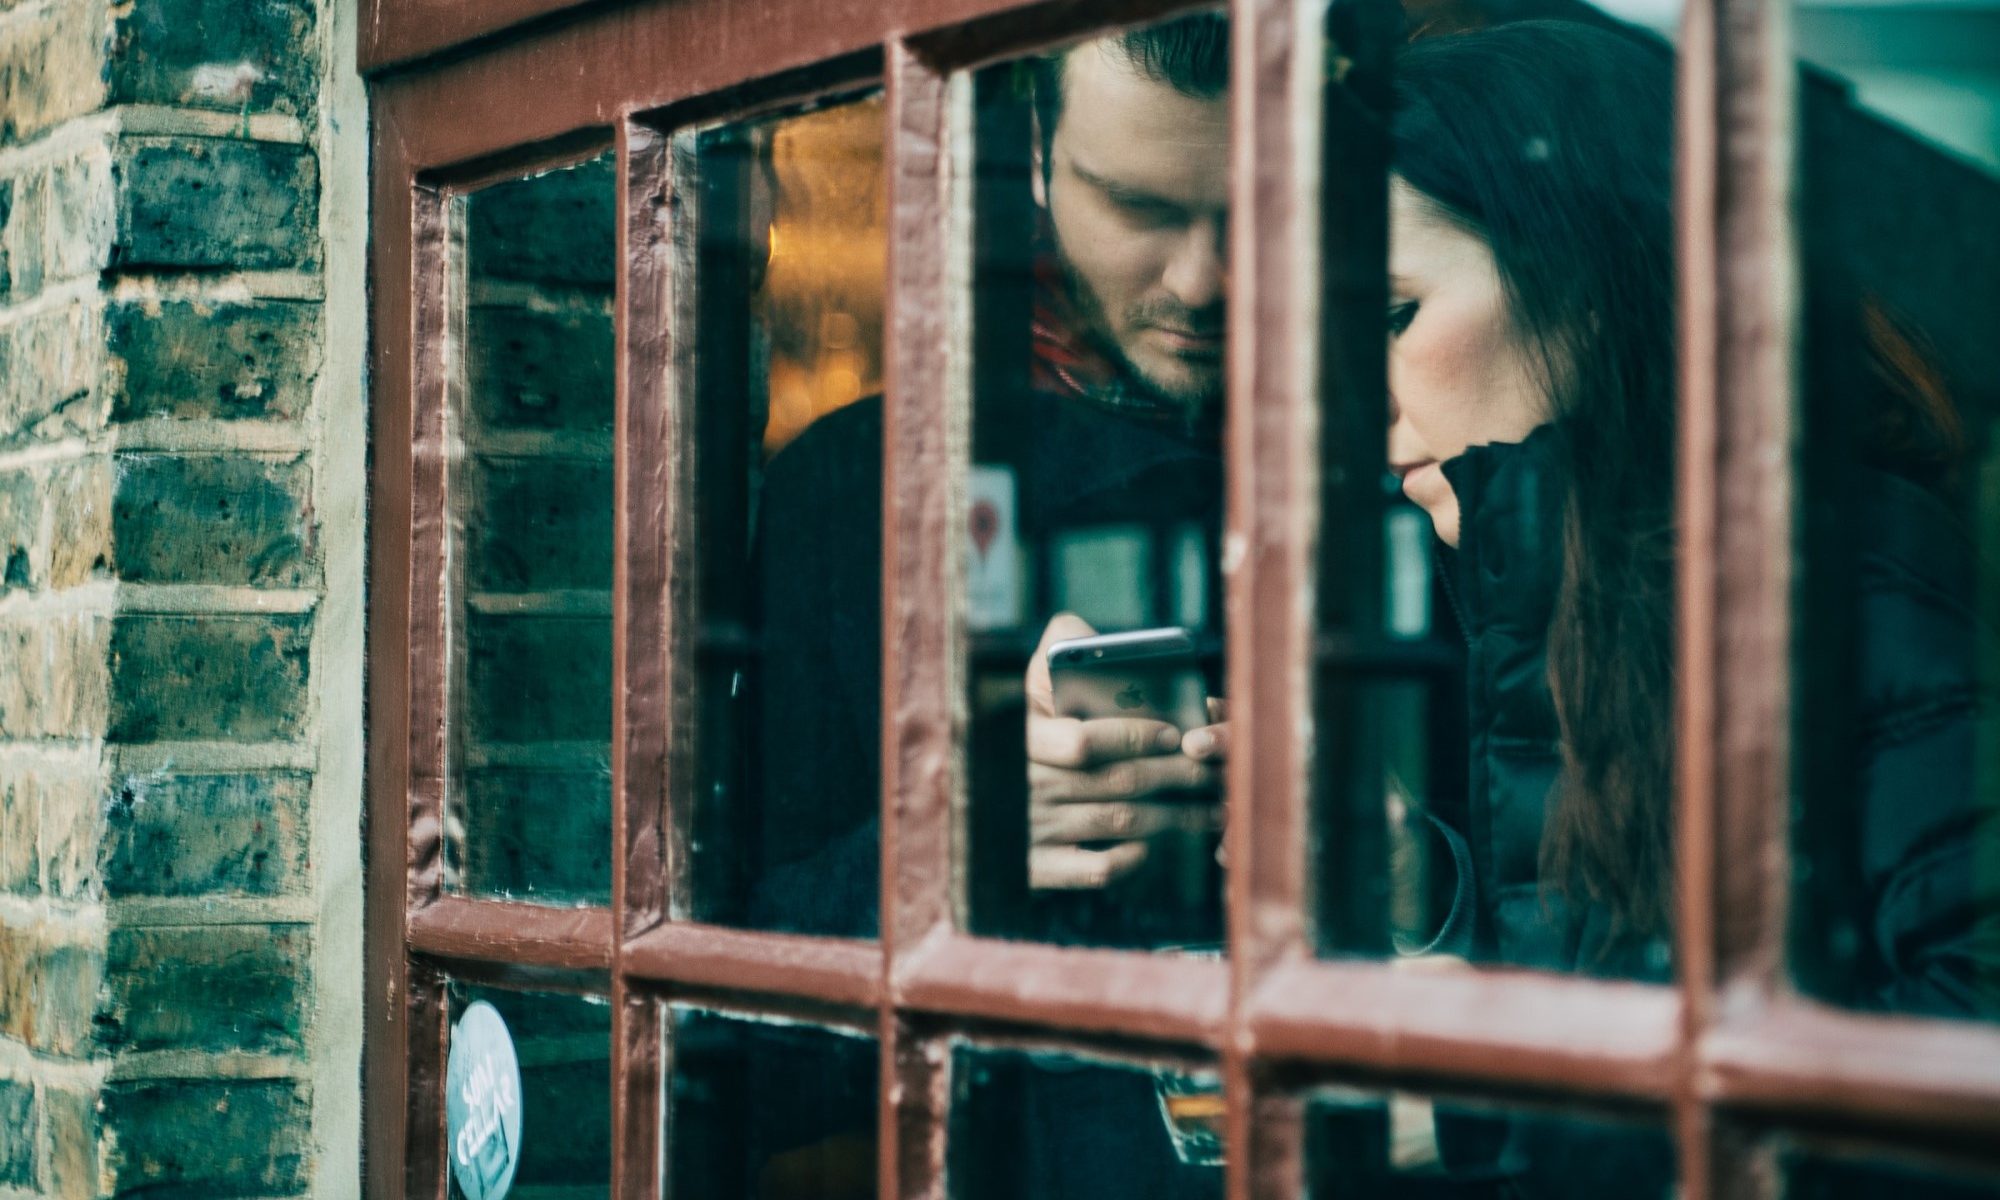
[(1896, 669), (1061, 1127), (1099, 189), (1494, 707), (563, 1043), (788, 219), (768, 1111), (531, 538), (1820, 1177), (1401, 1146)]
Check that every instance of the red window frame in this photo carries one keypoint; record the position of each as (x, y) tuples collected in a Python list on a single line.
[(1728, 1052)]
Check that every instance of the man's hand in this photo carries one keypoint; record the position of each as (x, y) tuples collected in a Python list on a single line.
[(1112, 779)]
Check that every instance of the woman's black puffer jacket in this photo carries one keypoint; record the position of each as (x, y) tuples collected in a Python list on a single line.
[(1914, 816), (1926, 924)]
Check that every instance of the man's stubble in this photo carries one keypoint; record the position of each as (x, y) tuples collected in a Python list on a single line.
[(1190, 399)]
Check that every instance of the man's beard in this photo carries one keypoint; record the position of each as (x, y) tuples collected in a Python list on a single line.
[(1190, 398)]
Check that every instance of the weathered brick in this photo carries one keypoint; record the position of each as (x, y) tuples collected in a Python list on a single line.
[(49, 365), (48, 989), (206, 987), (215, 203), (539, 679), (70, 1117), (179, 835), (539, 834), (62, 219), (213, 518), (20, 833), (72, 835), (55, 523), (53, 677), (7, 186), (211, 360), (20, 1130), (174, 1139), (558, 228), (540, 523), (227, 678), (528, 369), (238, 55), (52, 65)]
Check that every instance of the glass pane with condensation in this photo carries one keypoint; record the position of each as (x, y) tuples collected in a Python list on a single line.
[(563, 1044), (1060, 1126), (1493, 696), (1372, 1145), (1810, 1175), (1095, 177), (784, 233), (529, 565), (768, 1109), (1896, 570)]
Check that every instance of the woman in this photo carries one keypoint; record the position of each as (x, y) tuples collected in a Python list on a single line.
[(1532, 398), (1531, 408), (1532, 416)]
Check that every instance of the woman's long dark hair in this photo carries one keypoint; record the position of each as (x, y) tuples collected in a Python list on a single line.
[(1553, 142)]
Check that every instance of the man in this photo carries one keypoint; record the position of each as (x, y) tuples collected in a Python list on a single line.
[(1133, 175), (1122, 418)]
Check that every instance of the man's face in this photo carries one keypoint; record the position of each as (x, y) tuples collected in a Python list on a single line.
[(1138, 194)]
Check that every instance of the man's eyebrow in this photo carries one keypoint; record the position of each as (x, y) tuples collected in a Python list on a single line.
[(1124, 193)]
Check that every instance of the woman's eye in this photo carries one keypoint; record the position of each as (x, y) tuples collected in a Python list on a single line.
[(1147, 212), (1400, 316)]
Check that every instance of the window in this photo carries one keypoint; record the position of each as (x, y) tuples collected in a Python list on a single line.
[(635, 265)]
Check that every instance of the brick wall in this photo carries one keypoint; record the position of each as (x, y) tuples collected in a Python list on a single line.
[(181, 483)]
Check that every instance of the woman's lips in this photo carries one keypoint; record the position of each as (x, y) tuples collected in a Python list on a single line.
[(1416, 477)]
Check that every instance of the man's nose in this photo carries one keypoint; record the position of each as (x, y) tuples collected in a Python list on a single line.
[(1198, 272)]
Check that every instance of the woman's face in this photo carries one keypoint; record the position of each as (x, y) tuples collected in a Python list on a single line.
[(1458, 374)]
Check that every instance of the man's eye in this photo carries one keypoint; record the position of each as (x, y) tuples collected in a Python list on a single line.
[(1400, 316)]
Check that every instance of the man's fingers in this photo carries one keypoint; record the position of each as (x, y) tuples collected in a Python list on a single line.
[(1069, 868), (1068, 824), (1069, 742), (1130, 779), (1061, 628), (1210, 743)]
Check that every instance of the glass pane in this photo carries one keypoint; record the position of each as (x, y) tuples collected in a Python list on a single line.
[(1099, 190), (1821, 1177), (1401, 1145), (563, 1043), (789, 250), (1063, 1127), (1494, 695), (768, 1111), (531, 538), (1896, 673)]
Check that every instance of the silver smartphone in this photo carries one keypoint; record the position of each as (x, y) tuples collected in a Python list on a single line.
[(1150, 673)]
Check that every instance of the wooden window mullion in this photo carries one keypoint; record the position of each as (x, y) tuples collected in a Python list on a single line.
[(924, 419)]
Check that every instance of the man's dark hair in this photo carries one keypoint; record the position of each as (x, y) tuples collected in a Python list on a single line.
[(1189, 54)]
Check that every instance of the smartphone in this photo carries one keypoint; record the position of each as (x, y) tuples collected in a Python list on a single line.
[(1150, 673)]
